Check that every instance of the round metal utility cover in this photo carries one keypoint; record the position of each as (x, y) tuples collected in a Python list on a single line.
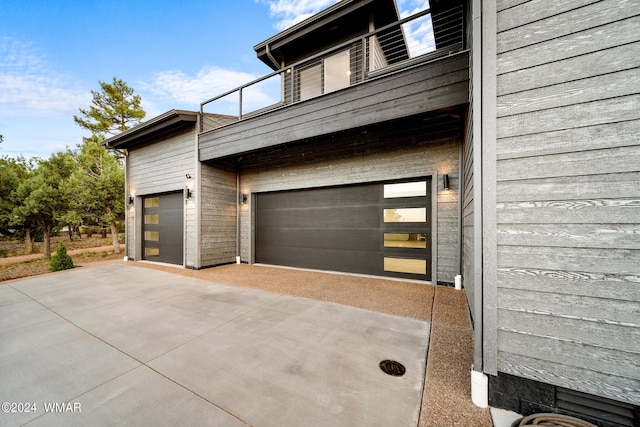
[(392, 367)]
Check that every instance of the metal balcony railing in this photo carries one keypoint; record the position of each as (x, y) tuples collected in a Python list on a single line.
[(415, 39)]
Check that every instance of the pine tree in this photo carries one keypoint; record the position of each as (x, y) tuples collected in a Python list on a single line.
[(61, 260), (114, 109)]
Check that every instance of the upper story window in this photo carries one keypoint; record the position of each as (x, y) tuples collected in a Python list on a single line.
[(337, 71), (326, 75)]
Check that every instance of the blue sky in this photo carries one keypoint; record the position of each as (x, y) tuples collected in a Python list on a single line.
[(174, 54)]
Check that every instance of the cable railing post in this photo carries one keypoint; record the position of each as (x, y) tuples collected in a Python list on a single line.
[(291, 82), (365, 62), (240, 105)]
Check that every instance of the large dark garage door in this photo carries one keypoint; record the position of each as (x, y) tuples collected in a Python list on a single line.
[(379, 228), (162, 228)]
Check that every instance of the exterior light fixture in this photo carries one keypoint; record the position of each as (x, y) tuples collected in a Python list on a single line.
[(187, 193), (243, 199), (188, 176), (445, 182), (130, 200)]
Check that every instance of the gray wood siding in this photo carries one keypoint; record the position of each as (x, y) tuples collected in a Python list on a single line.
[(427, 87), (467, 215), (214, 121), (161, 167), (218, 216), (277, 172), (568, 194)]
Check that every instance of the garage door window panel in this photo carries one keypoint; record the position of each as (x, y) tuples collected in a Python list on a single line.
[(152, 202), (151, 252), (405, 240), (405, 189), (152, 219), (152, 236), (405, 265), (405, 215)]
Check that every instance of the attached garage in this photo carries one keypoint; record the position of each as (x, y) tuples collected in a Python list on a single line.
[(162, 228), (381, 228)]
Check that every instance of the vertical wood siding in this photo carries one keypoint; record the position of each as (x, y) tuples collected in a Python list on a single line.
[(568, 194), (161, 167), (344, 163), (218, 215)]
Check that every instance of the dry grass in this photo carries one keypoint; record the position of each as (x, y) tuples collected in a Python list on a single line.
[(15, 265)]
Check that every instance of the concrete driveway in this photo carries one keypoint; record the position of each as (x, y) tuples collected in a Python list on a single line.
[(119, 344)]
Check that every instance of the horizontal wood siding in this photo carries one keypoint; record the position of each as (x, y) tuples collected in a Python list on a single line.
[(427, 87), (214, 121), (568, 194), (357, 159), (218, 215), (161, 167)]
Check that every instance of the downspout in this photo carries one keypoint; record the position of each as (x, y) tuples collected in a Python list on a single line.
[(270, 56), (479, 381)]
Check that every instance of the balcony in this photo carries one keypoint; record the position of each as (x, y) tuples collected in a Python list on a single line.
[(411, 66)]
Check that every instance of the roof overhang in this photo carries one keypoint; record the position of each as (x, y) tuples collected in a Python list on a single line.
[(164, 124), (337, 22)]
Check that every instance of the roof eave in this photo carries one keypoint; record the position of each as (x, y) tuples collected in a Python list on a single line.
[(308, 25), (164, 122)]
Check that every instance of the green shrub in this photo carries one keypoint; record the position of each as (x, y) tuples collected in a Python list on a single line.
[(61, 261)]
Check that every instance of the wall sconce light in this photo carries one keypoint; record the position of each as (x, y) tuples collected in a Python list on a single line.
[(188, 176), (445, 182), (187, 193), (243, 199), (130, 201)]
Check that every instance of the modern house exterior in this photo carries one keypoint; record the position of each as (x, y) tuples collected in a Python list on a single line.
[(496, 141)]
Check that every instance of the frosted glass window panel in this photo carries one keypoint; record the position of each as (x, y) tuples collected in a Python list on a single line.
[(152, 202), (152, 236), (149, 252), (405, 189), (405, 240), (405, 215), (405, 265), (310, 82), (152, 219), (337, 72)]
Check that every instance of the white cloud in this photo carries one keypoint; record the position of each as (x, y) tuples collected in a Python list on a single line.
[(29, 85), (290, 12), (192, 90), (177, 89), (409, 7)]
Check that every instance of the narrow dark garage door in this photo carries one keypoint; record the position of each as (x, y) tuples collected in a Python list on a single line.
[(378, 228), (162, 228)]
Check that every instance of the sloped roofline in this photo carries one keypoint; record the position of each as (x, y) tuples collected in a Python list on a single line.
[(315, 22), (165, 122)]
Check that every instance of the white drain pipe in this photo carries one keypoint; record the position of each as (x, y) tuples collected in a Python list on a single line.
[(479, 389)]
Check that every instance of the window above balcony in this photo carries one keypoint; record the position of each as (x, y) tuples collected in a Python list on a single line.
[(348, 44)]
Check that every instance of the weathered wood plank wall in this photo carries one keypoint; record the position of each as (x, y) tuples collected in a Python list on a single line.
[(218, 215), (568, 194)]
